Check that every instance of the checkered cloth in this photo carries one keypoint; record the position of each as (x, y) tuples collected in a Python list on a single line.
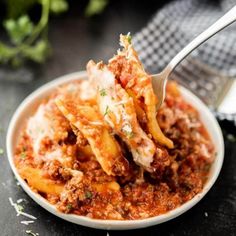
[(172, 28)]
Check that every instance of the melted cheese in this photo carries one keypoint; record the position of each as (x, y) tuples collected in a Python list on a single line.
[(38, 127), (118, 111), (86, 91)]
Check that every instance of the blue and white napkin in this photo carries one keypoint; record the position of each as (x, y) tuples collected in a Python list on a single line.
[(208, 68)]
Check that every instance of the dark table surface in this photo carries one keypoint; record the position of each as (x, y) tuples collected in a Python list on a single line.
[(75, 40)]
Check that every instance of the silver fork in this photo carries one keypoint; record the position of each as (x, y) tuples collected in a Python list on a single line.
[(159, 80)]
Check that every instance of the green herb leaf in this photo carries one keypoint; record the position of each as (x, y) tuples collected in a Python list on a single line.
[(29, 40), (19, 7), (30, 232), (69, 206), (6, 53), (103, 92), (106, 111), (127, 130), (38, 52), (18, 29), (23, 155), (129, 38), (129, 134), (19, 207), (58, 6), (88, 194), (95, 7)]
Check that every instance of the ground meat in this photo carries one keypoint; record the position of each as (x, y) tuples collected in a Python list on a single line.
[(179, 173), (54, 170)]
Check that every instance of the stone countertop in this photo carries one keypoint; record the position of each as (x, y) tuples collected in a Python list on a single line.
[(75, 40)]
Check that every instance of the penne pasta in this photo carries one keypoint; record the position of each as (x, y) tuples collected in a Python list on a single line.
[(129, 71), (108, 186), (103, 144), (35, 179), (94, 147), (118, 110)]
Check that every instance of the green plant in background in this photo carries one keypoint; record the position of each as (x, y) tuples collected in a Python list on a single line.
[(95, 7), (28, 40)]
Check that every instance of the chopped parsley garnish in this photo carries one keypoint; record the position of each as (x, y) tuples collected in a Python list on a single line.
[(129, 38), (127, 130), (1, 151), (207, 167), (30, 232), (103, 92), (23, 155), (129, 134), (150, 187), (106, 111), (19, 207), (88, 194), (69, 206), (137, 151)]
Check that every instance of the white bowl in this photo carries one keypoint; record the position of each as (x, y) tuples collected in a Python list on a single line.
[(29, 105)]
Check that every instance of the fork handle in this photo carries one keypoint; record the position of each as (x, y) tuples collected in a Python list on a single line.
[(220, 24)]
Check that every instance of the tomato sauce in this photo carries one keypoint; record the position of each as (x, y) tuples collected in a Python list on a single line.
[(138, 194)]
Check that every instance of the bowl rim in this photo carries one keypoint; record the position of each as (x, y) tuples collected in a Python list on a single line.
[(111, 224)]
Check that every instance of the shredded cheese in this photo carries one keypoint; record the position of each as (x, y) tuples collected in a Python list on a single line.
[(30, 232), (20, 200), (39, 127), (27, 222), (19, 210)]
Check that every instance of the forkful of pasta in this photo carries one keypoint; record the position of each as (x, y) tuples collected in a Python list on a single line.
[(127, 102), (124, 108)]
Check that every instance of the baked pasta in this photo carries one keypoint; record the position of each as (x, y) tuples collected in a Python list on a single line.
[(99, 148)]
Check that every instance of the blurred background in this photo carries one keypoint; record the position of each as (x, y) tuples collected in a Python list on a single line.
[(44, 39), (48, 38)]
